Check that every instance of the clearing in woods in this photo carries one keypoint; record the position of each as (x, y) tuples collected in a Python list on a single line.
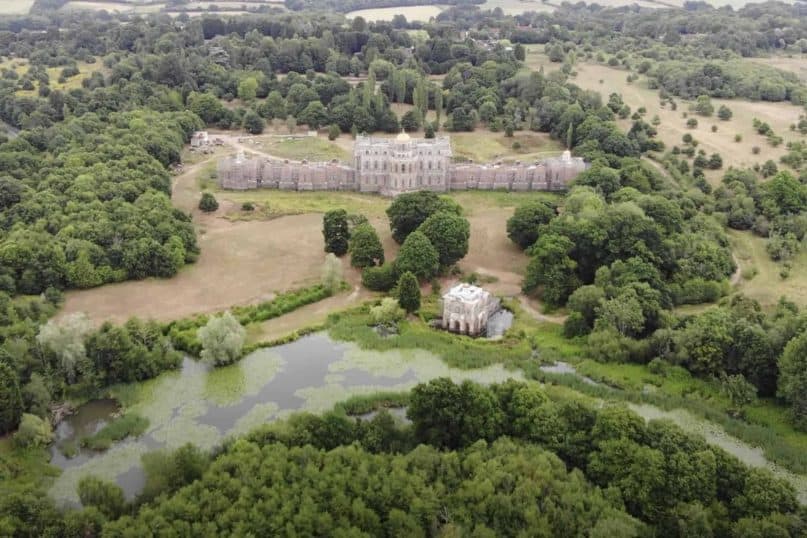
[(766, 285)]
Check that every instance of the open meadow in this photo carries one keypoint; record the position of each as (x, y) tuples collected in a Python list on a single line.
[(15, 7), (412, 13), (765, 284), (123, 7), (673, 125)]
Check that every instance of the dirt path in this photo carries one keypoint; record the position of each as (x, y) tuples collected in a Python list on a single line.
[(234, 141), (531, 310)]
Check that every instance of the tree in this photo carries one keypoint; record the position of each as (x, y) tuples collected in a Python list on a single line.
[(520, 52), (291, 124), (336, 231), (522, 227), (253, 123), (222, 339), (704, 106), (452, 416), (10, 399), (247, 89), (314, 115), (551, 271), (740, 393), (409, 292), (448, 234), (412, 120), (331, 273), (365, 247), (207, 106), (274, 106), (418, 256), (388, 312), (793, 379), (333, 132), (105, 496), (33, 432), (409, 210), (724, 113), (208, 203), (65, 339)]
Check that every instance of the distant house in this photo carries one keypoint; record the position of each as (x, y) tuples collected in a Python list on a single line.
[(199, 139)]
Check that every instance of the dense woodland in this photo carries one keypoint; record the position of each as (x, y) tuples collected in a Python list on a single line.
[(85, 200)]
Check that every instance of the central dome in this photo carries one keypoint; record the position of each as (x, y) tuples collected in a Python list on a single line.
[(402, 137)]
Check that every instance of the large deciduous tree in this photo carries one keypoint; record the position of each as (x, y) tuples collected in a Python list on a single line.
[(418, 256), (409, 210), (449, 234), (365, 247), (551, 271), (522, 227), (793, 379)]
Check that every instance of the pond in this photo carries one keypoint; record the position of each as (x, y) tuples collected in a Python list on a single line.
[(203, 406)]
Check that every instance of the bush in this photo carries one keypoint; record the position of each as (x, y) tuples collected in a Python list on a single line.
[(208, 203), (333, 132), (381, 278), (33, 432), (692, 123), (247, 206), (387, 313)]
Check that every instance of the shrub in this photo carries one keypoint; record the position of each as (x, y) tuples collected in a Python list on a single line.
[(387, 313), (33, 432), (381, 278), (208, 203), (692, 123), (248, 206), (333, 132)]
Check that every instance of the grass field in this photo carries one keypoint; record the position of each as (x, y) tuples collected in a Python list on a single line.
[(112, 6), (485, 146), (796, 63), (673, 126), (412, 13), (767, 286), (15, 7), (310, 148)]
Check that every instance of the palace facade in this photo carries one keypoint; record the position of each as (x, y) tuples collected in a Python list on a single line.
[(391, 166)]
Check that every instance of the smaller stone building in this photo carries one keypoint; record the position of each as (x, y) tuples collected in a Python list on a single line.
[(200, 139), (467, 308)]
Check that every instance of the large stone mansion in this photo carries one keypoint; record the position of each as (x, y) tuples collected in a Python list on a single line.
[(391, 166)]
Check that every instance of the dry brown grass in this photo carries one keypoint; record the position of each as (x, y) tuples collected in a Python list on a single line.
[(767, 286), (673, 126)]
